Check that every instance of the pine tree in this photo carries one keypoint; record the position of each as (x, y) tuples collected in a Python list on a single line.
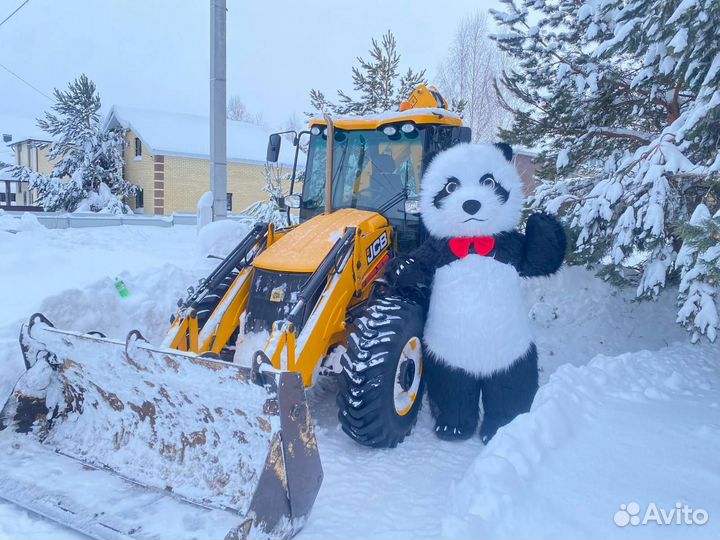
[(377, 82), (699, 261), (88, 161), (623, 97)]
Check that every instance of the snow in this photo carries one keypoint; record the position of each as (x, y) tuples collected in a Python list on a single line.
[(26, 222), (563, 159), (627, 411), (682, 8), (391, 115), (679, 41), (639, 427), (181, 134), (204, 210)]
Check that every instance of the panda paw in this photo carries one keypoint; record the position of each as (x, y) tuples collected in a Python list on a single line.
[(448, 432), (545, 245)]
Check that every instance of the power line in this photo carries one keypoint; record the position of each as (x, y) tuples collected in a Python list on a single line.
[(14, 12), (18, 77)]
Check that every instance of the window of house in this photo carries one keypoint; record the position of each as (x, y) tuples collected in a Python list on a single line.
[(229, 202), (139, 199), (138, 148)]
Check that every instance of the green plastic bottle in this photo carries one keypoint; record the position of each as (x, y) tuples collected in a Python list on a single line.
[(121, 288)]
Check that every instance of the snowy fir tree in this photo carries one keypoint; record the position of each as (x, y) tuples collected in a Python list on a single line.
[(88, 161), (622, 98), (378, 83)]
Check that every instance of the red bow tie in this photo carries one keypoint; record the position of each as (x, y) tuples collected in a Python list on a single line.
[(461, 246)]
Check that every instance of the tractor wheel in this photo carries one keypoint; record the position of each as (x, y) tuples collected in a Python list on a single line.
[(211, 300), (381, 383)]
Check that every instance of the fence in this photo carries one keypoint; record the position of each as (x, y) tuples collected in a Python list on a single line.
[(58, 220)]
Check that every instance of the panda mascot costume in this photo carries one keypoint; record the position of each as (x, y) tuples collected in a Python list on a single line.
[(477, 340)]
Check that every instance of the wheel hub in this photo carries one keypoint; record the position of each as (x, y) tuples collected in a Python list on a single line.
[(408, 376)]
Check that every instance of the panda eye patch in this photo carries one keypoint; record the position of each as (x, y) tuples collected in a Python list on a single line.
[(452, 185), (487, 180)]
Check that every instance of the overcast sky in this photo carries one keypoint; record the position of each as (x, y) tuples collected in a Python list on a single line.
[(155, 53)]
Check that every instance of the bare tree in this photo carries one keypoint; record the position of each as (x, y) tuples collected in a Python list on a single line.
[(293, 123), (469, 73), (236, 110)]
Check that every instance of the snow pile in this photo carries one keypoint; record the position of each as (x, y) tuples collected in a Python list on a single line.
[(26, 222), (204, 210), (575, 316), (599, 436), (102, 201), (219, 238), (98, 307)]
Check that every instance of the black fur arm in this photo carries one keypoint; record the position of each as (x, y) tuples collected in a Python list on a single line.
[(544, 247), (411, 275)]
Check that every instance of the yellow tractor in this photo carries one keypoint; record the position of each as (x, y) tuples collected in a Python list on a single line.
[(210, 425)]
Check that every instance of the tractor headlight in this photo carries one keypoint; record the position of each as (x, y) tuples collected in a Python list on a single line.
[(390, 131), (316, 130), (408, 128)]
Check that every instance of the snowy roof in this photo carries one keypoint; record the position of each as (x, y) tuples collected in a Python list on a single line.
[(188, 135)]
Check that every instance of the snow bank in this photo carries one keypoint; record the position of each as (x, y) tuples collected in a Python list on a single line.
[(99, 307), (220, 237), (26, 222), (204, 210), (575, 316), (637, 427)]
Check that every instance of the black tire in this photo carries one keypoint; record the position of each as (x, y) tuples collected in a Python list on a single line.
[(212, 298), (384, 347)]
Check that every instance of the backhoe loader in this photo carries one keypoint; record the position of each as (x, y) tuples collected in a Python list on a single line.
[(203, 435)]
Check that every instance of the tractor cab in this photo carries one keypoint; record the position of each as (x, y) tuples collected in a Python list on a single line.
[(377, 163)]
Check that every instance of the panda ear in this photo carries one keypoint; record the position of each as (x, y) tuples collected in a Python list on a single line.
[(506, 150)]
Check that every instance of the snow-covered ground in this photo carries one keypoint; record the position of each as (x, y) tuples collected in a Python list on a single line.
[(629, 411)]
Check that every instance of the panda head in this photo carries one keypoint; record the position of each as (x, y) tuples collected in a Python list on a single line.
[(471, 190)]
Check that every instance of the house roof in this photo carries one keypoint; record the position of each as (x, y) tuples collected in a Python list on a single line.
[(19, 128), (188, 135)]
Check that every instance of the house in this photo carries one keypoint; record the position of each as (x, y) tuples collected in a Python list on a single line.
[(167, 156), (24, 144)]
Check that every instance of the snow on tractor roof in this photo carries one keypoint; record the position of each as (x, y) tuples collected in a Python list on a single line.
[(374, 121), (188, 135)]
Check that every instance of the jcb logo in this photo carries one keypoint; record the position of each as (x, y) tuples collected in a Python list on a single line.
[(376, 247)]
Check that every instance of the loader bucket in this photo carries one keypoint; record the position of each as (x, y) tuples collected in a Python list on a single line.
[(121, 439)]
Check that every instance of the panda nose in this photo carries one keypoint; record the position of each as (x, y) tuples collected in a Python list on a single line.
[(471, 206)]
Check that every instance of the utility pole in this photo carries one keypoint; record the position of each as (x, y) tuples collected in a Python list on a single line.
[(218, 104)]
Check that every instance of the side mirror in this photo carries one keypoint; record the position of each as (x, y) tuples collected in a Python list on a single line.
[(292, 201), (412, 206), (273, 148)]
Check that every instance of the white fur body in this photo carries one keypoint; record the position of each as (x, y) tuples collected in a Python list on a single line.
[(477, 319)]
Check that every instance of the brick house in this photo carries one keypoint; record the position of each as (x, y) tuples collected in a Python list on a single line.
[(167, 157)]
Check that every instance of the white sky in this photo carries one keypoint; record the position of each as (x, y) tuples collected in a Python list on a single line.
[(155, 53)]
